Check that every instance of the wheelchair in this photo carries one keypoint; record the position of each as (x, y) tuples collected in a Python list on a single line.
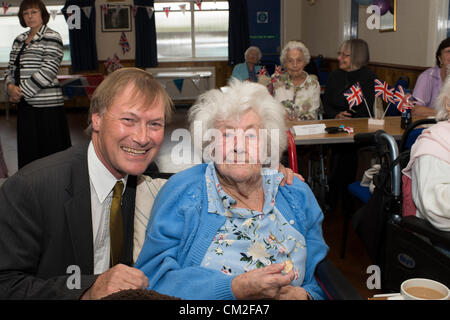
[(403, 247)]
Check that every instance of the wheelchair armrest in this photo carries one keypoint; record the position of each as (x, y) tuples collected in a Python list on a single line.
[(333, 282), (424, 228)]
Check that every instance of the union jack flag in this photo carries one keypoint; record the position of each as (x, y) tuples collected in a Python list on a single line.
[(402, 100), (383, 89), (354, 95), (263, 72), (278, 70), (124, 43)]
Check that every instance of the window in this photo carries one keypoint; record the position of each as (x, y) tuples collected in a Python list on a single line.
[(191, 33), (10, 28)]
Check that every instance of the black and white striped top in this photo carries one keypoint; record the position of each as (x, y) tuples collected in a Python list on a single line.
[(39, 65)]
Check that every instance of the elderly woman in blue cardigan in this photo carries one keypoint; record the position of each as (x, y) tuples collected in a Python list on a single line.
[(226, 229), (248, 70)]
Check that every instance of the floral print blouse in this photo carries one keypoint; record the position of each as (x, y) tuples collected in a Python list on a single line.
[(301, 102), (251, 239)]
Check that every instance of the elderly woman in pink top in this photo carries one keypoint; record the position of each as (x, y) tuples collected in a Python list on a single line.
[(426, 180), (430, 82)]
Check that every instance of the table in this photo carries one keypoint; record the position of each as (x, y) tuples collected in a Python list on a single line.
[(359, 125)]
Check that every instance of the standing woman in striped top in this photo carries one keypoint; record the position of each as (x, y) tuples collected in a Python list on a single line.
[(31, 82)]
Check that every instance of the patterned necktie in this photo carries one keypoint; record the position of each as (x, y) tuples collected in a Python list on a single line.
[(116, 224)]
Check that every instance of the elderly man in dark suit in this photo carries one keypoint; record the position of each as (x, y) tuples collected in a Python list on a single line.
[(66, 221)]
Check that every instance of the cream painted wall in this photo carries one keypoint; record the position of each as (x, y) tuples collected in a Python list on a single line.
[(320, 27), (410, 43), (291, 21), (108, 42), (421, 25)]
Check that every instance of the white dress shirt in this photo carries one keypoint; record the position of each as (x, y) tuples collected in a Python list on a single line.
[(102, 183)]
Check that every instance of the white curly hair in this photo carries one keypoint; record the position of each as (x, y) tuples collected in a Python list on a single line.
[(233, 101), (291, 45)]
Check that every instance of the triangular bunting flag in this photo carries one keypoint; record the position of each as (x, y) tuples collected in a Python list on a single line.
[(105, 9), (182, 8), (53, 14), (150, 12), (196, 82), (134, 10), (87, 11), (5, 6), (199, 4), (179, 84), (166, 10)]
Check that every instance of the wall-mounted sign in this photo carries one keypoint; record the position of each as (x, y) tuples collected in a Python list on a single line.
[(262, 17)]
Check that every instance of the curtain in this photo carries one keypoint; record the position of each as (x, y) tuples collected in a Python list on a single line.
[(83, 45), (146, 49), (238, 35)]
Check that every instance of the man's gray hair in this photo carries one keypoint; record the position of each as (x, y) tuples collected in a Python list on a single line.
[(233, 101), (291, 45)]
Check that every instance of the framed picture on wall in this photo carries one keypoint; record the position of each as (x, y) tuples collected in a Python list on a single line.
[(116, 18)]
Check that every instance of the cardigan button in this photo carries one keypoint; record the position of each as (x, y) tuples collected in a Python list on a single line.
[(292, 222)]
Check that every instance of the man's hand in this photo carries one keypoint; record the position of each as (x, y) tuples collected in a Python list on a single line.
[(288, 175), (119, 277), (261, 283)]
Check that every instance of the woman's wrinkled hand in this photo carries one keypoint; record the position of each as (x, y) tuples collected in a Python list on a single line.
[(293, 293), (344, 115), (15, 93), (261, 283)]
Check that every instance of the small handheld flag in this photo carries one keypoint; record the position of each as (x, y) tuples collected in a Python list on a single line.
[(354, 95), (402, 100), (383, 89)]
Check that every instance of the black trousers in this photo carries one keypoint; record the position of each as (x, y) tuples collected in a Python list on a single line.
[(40, 132)]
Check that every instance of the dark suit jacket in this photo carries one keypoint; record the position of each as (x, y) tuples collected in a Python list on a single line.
[(46, 226)]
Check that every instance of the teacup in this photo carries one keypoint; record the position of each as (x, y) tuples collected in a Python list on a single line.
[(424, 289)]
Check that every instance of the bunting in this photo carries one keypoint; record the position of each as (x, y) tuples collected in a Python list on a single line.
[(166, 10), (87, 11), (53, 13), (179, 84), (182, 8), (5, 6), (199, 4)]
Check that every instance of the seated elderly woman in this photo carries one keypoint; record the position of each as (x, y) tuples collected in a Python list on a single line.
[(225, 229), (429, 82), (426, 179), (353, 58), (248, 70), (298, 91)]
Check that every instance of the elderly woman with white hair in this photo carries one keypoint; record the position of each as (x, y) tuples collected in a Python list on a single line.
[(248, 70), (298, 91), (426, 179), (226, 229)]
